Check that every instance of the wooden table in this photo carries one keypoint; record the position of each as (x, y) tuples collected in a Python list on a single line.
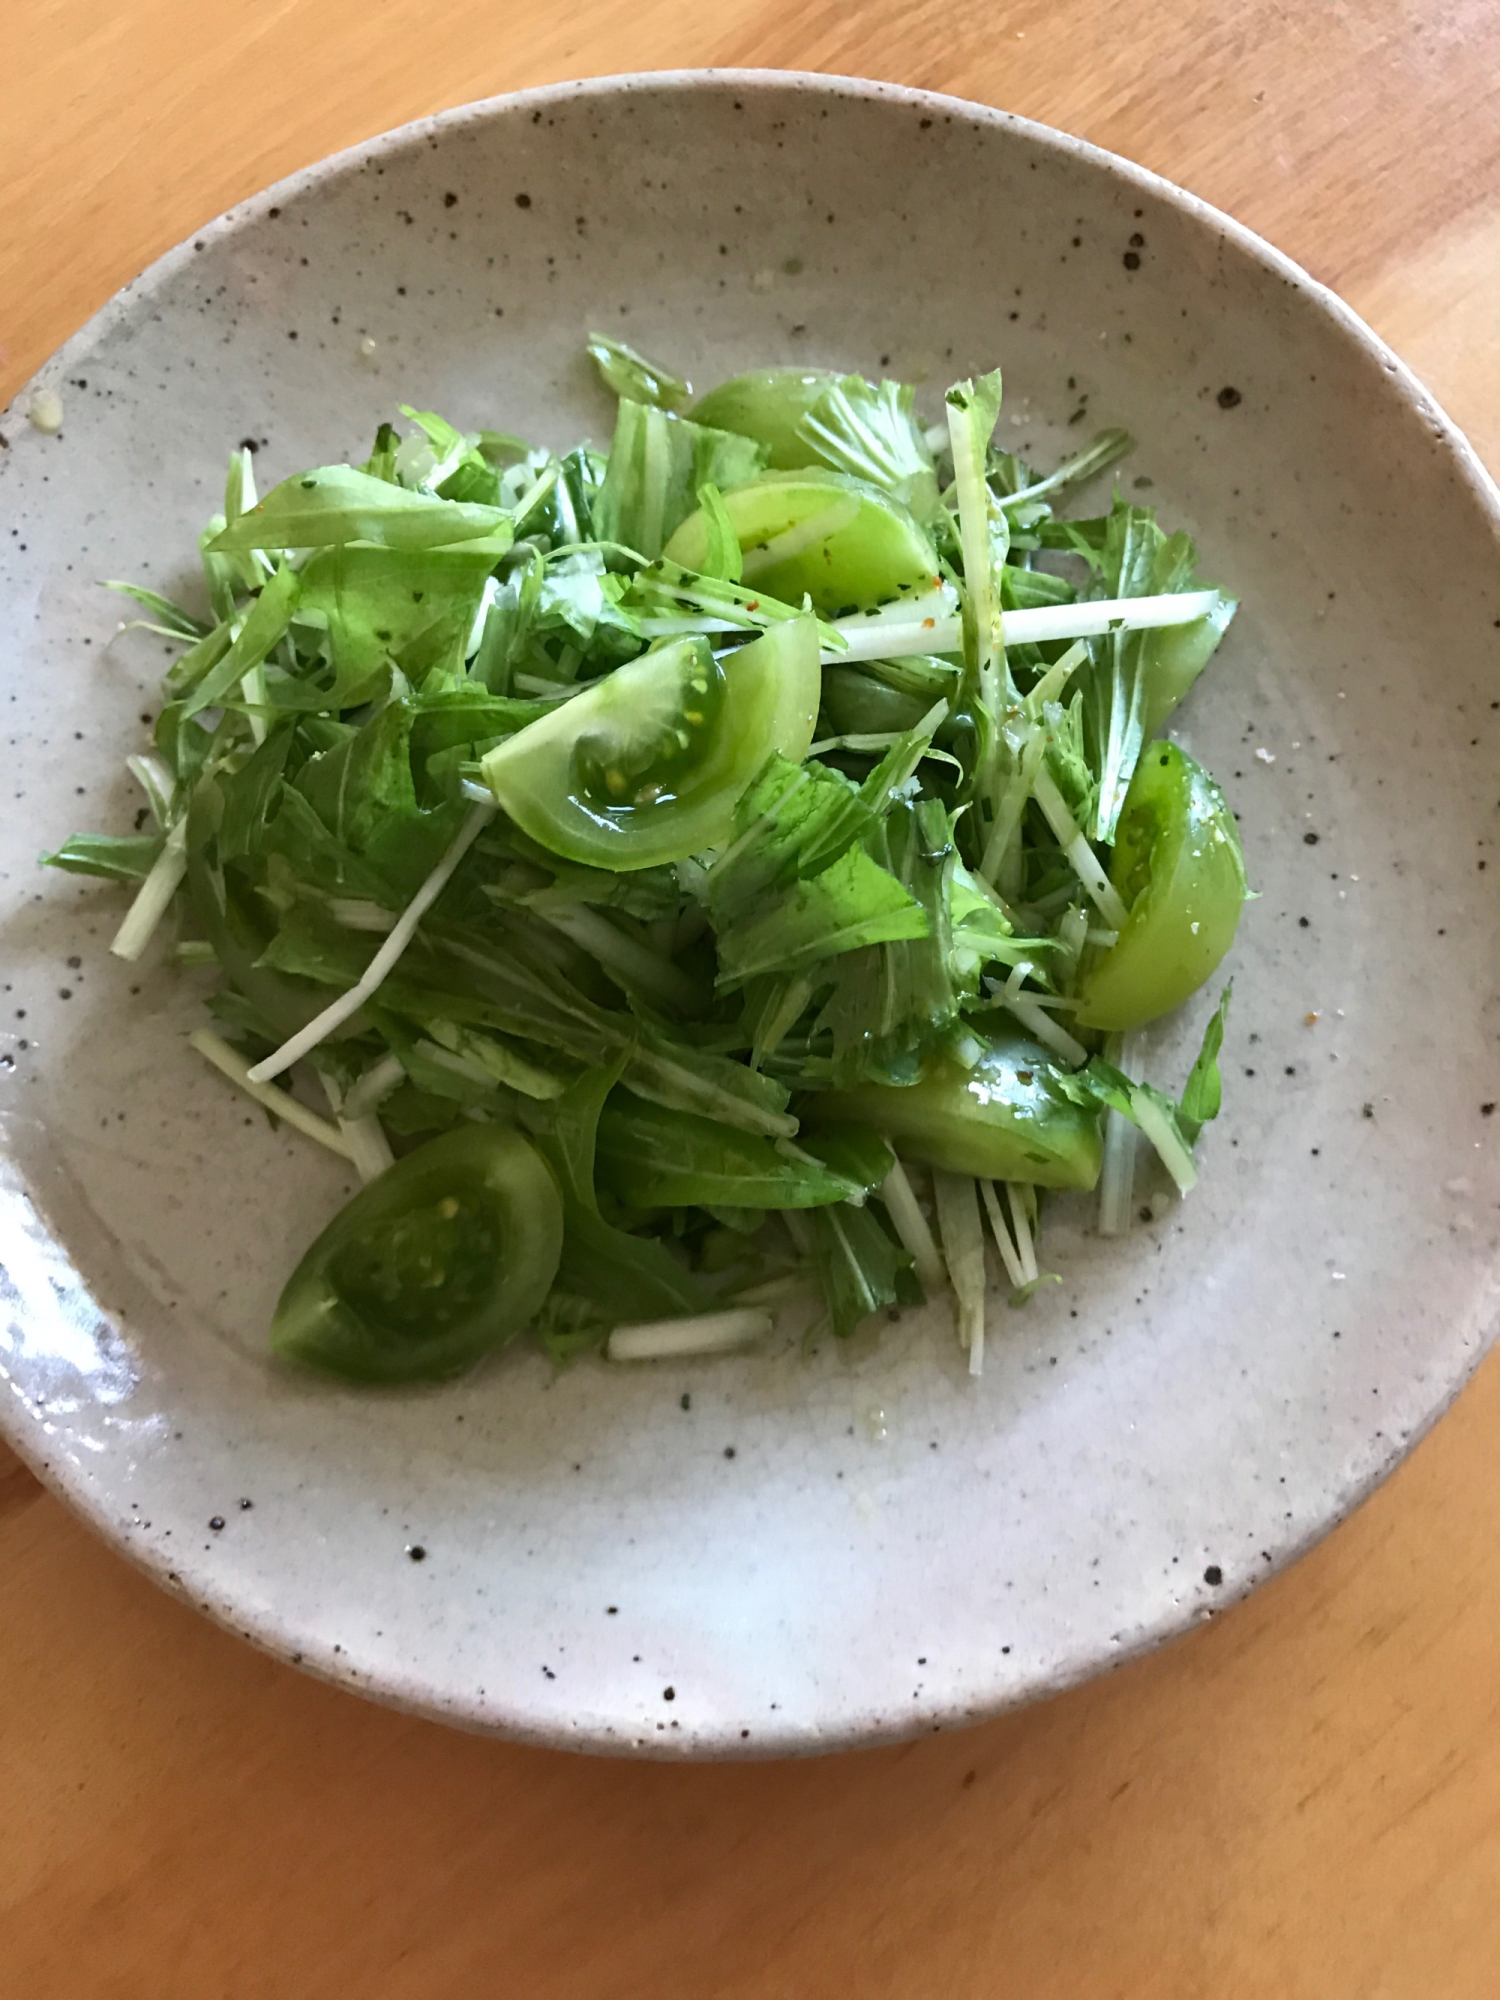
[(1301, 1800)]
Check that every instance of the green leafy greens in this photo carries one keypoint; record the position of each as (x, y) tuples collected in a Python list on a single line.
[(740, 937)]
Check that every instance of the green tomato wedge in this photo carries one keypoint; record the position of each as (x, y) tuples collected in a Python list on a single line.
[(1179, 870), (767, 405), (1172, 659), (998, 1119), (645, 765), (823, 535), (446, 1256)]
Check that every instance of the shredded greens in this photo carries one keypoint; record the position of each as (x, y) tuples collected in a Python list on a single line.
[(724, 870)]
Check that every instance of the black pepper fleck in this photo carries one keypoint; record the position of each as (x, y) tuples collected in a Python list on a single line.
[(216, 1521), (1213, 1575), (669, 1694), (1309, 840), (417, 1553), (1131, 260), (523, 201), (1228, 398)]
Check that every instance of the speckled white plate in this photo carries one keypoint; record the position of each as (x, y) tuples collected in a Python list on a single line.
[(769, 1554)]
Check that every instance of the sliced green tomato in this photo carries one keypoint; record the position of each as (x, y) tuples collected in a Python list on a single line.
[(1179, 870), (767, 405), (446, 1256), (998, 1119), (1172, 659), (646, 764), (846, 545)]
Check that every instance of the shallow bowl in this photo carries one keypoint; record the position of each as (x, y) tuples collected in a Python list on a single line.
[(776, 1553)]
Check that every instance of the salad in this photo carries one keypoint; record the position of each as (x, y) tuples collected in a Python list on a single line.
[(726, 868)]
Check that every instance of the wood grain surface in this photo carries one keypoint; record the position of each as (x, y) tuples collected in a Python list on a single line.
[(1301, 1800)]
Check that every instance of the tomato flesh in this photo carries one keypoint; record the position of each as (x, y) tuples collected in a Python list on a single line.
[(645, 766), (767, 404), (997, 1119), (823, 535), (447, 1255), (1180, 873)]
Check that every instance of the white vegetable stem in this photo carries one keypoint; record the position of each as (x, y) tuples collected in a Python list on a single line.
[(879, 639), (1029, 1011), (774, 1291), (963, 1246), (1002, 849), (974, 537), (1117, 1174), (1158, 1128), (910, 1224), (910, 625), (1050, 686), (763, 556), (348, 1004), (253, 692), (1084, 862), (233, 1065), (616, 952), (154, 895), (156, 781), (369, 1148), (1014, 1269), (379, 1080), (1015, 1198), (702, 1333), (358, 913)]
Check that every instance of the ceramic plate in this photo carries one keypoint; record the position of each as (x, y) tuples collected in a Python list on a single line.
[(772, 1553)]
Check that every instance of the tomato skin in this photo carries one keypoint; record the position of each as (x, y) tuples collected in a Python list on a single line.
[(1174, 657), (873, 549), (448, 1255), (553, 777), (767, 405), (1180, 872), (997, 1120)]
